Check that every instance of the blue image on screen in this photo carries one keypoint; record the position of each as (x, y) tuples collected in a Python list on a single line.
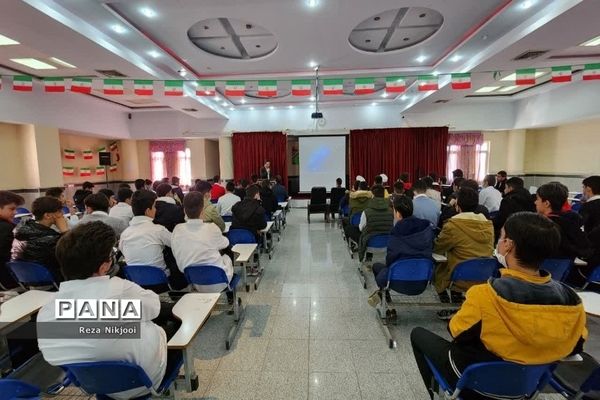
[(317, 159)]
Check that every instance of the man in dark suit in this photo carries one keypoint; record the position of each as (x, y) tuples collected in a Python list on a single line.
[(265, 171)]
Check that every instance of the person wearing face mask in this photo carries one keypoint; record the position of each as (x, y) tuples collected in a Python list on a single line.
[(523, 316)]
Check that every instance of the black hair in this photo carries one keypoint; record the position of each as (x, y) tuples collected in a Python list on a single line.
[(398, 187), (163, 189), (216, 178), (428, 182), (515, 182), (203, 187), (434, 176), (193, 203), (244, 183), (419, 186), (457, 173), (7, 197), (338, 181), (123, 194), (467, 199), (363, 185), (107, 192), (124, 185), (490, 180), (87, 185), (141, 201), (378, 180), (254, 178), (404, 177), (81, 251), (471, 184), (356, 185), (278, 179), (54, 192), (97, 202), (45, 204), (458, 182), (535, 236), (502, 173), (251, 191), (139, 184), (554, 192), (404, 206), (230, 186), (175, 180), (593, 182), (378, 191)]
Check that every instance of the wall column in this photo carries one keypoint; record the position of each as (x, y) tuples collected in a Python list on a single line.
[(130, 170), (225, 157), (515, 151)]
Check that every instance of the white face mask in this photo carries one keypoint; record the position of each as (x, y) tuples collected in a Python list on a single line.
[(501, 258)]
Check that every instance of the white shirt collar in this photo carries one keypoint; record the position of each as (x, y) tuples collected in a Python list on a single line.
[(140, 219), (99, 213), (595, 197), (419, 195), (167, 199)]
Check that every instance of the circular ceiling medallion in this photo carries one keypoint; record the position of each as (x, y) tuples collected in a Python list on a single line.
[(232, 38), (395, 29)]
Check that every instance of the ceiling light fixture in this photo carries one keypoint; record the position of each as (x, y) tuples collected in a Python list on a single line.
[(6, 41), (290, 107), (455, 58), (232, 109), (507, 88), (224, 104), (404, 97), (421, 59), (182, 72), (527, 4), (62, 63), (487, 89), (271, 108), (312, 3), (435, 73), (243, 101), (513, 76), (252, 108), (32, 63), (154, 54), (374, 104), (312, 98), (592, 42), (384, 95), (148, 12), (119, 29), (312, 64)]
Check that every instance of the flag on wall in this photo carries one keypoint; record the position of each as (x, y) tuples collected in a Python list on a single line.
[(525, 76), (267, 88), (88, 154), (81, 85), (364, 86), (143, 87), (301, 87), (395, 84), (427, 83), (69, 154), (54, 85), (174, 88), (101, 149), (22, 83), (333, 86), (461, 81), (0, 83), (591, 72), (112, 146), (205, 88), (68, 171), (113, 168), (113, 86), (85, 171), (100, 170), (561, 74), (235, 88)]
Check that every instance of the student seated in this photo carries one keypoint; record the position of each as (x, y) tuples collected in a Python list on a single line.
[(35, 240), (424, 206), (168, 212), (177, 191), (267, 197), (523, 317), (501, 182), (59, 193), (249, 213), (450, 211), (358, 200), (516, 198), (85, 256), (210, 212), (96, 209), (336, 194), (140, 184), (489, 197), (122, 209), (410, 237), (432, 193), (397, 193), (465, 236), (9, 202), (80, 195), (379, 181), (228, 200), (240, 190), (376, 219), (197, 242), (217, 190), (110, 195), (279, 190)]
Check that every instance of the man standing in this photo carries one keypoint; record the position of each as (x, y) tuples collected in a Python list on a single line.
[(265, 171), (500, 182), (516, 198)]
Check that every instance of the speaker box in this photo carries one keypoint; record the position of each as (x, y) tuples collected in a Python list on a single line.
[(104, 158)]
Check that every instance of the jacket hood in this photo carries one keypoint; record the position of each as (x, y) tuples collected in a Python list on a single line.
[(246, 208), (361, 194), (32, 230), (379, 203), (416, 234), (475, 226)]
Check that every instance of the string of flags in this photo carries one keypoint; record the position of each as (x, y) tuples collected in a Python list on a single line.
[(88, 154), (300, 87), (88, 171)]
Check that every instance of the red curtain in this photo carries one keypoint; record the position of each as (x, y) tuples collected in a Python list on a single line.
[(392, 151), (252, 149)]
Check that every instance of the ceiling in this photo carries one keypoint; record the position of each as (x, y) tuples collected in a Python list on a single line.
[(158, 39)]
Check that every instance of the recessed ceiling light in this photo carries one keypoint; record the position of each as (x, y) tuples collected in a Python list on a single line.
[(195, 84), (404, 97), (224, 104), (252, 108), (154, 54), (6, 41), (592, 42), (182, 72), (312, 3), (373, 104), (312, 64), (513, 76), (435, 73), (62, 63), (148, 12), (487, 89), (271, 108), (455, 58), (32, 63), (507, 88), (384, 95), (243, 101), (312, 98), (231, 109), (420, 59), (118, 28), (290, 107), (527, 4)]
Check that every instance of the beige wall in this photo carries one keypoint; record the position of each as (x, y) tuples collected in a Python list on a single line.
[(12, 172), (143, 156), (225, 157), (47, 141), (198, 161), (211, 154), (79, 144), (507, 151), (498, 145)]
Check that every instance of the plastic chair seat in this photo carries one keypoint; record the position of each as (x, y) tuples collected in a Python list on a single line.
[(557, 267), (14, 389), (29, 274), (570, 377), (237, 236), (475, 270), (410, 276), (378, 241)]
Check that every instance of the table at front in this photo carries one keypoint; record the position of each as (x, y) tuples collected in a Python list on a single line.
[(245, 252), (22, 306), (591, 302), (193, 309)]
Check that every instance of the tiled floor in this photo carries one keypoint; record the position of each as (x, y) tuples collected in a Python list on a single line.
[(309, 333)]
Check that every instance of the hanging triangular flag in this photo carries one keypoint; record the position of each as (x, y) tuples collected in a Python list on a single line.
[(112, 146), (205, 88), (364, 86), (85, 171), (461, 81), (101, 149), (267, 88), (22, 83), (88, 155), (100, 170), (0, 83), (81, 85), (333, 86), (113, 168), (69, 154), (591, 72), (301, 87), (113, 86), (54, 85), (68, 171), (143, 87), (561, 74), (235, 88), (525, 76), (427, 83), (174, 88), (395, 84)]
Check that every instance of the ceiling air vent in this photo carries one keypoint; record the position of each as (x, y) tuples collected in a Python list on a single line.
[(440, 101), (111, 73), (530, 55), (189, 109)]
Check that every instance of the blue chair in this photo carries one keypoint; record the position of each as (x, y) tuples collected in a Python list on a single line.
[(474, 270), (214, 201), (20, 210), (558, 268), (355, 219), (594, 277), (13, 389), (573, 379), (497, 378), (148, 277), (104, 377), (236, 236), (212, 279), (377, 244), (227, 218), (66, 210), (281, 198), (29, 274)]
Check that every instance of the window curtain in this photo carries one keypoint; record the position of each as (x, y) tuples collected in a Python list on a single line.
[(392, 151), (170, 161), (252, 149), (466, 147)]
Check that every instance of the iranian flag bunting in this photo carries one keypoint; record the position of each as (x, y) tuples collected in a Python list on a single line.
[(525, 76), (69, 154), (395, 84), (113, 86), (0, 83), (461, 81), (173, 88), (88, 154), (22, 83), (364, 86), (85, 171), (54, 85), (81, 85), (235, 88), (101, 149), (143, 87), (68, 171), (301, 87), (591, 72), (205, 88), (267, 88), (100, 170), (561, 74), (427, 83), (333, 86), (112, 146), (113, 168)]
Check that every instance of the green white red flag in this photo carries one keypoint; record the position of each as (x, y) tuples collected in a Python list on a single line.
[(461, 81), (22, 83), (81, 85), (174, 88), (395, 84), (301, 87), (235, 88), (525, 76), (143, 87), (591, 72), (561, 74), (88, 154), (54, 85), (113, 168), (85, 171), (113, 86), (68, 171), (112, 146), (205, 88), (333, 87), (364, 86), (427, 83), (267, 88), (69, 154), (100, 170)]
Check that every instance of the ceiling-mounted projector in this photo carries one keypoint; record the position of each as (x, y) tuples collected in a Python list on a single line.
[(316, 115)]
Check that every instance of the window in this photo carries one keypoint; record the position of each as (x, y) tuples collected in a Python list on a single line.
[(158, 165), (482, 159), (452, 162), (472, 159), (174, 163), (185, 166)]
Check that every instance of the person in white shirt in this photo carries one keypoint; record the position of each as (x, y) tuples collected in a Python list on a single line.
[(198, 242), (431, 192), (96, 209), (228, 200), (489, 197), (122, 209)]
